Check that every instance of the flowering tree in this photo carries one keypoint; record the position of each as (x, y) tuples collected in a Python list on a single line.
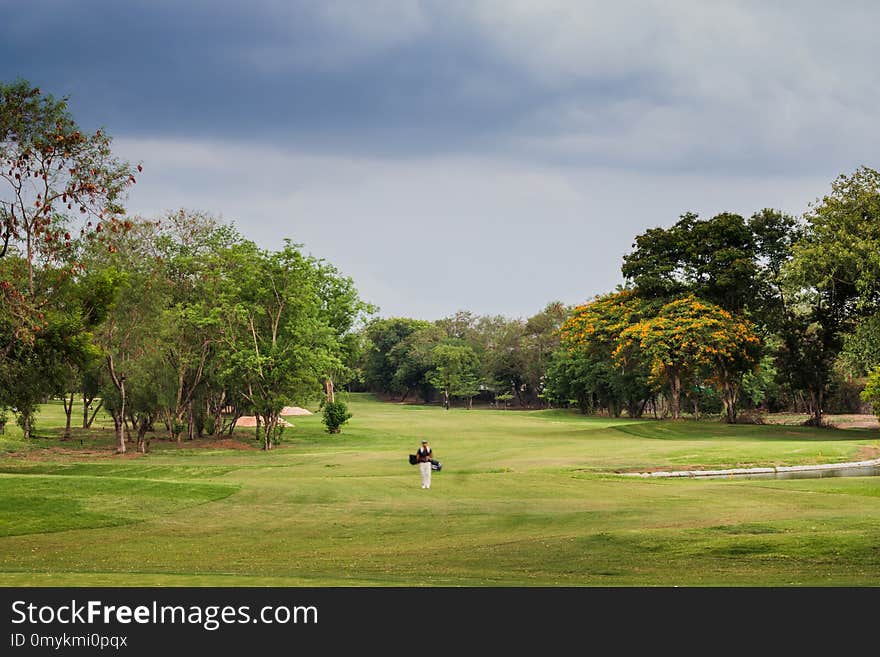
[(584, 368), (689, 339)]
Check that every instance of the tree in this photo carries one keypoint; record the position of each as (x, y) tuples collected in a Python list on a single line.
[(714, 259), (50, 172), (130, 336), (861, 348), (413, 360), (50, 169), (279, 344), (380, 366), (187, 245), (834, 278), (455, 372), (689, 339), (583, 369), (871, 393), (839, 254), (335, 415), (342, 309)]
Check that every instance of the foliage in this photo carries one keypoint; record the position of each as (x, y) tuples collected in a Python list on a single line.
[(839, 255), (380, 366), (861, 348), (871, 393), (455, 372), (52, 174), (583, 370), (690, 340), (835, 271), (713, 259), (335, 414)]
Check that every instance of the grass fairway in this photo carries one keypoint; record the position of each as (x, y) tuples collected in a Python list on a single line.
[(525, 498)]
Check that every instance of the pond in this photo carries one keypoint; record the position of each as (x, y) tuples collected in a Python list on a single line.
[(854, 469), (858, 471)]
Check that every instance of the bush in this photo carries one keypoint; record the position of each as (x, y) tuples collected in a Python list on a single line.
[(335, 415), (871, 393)]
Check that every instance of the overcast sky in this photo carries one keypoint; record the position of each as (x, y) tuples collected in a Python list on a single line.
[(488, 155)]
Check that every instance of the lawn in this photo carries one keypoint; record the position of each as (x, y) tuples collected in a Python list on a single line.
[(524, 498)]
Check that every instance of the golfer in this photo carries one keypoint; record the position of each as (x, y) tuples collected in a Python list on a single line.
[(423, 457)]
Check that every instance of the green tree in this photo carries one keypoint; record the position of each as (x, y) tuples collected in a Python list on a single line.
[(51, 169), (413, 360), (861, 347), (187, 245), (130, 336), (455, 372), (714, 259), (335, 415), (52, 174), (343, 311), (380, 366), (871, 393), (834, 278), (278, 343)]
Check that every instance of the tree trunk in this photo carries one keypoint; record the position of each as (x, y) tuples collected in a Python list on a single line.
[(470, 403), (675, 385), (270, 421), (329, 391), (119, 426), (119, 416), (26, 425), (218, 414), (68, 411), (191, 424), (731, 394), (91, 420), (142, 443), (519, 396), (446, 398), (816, 399), (120, 443)]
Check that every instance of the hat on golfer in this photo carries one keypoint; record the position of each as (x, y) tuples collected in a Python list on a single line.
[(424, 442)]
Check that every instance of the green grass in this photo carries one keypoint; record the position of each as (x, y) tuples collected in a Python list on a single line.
[(525, 498)]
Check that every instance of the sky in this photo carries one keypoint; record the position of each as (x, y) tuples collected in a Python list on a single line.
[(482, 155)]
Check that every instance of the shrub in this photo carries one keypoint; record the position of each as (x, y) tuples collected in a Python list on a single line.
[(871, 393), (335, 415)]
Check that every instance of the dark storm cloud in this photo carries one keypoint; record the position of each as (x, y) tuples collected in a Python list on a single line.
[(570, 83), (252, 71), (729, 86), (515, 146)]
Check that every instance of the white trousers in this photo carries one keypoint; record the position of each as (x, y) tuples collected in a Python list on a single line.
[(425, 470)]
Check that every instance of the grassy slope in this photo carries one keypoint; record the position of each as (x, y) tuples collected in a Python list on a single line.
[(525, 498)]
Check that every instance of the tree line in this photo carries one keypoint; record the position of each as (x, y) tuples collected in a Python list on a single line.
[(180, 322), (770, 312)]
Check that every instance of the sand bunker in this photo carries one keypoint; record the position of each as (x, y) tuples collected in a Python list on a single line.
[(251, 421), (294, 410)]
